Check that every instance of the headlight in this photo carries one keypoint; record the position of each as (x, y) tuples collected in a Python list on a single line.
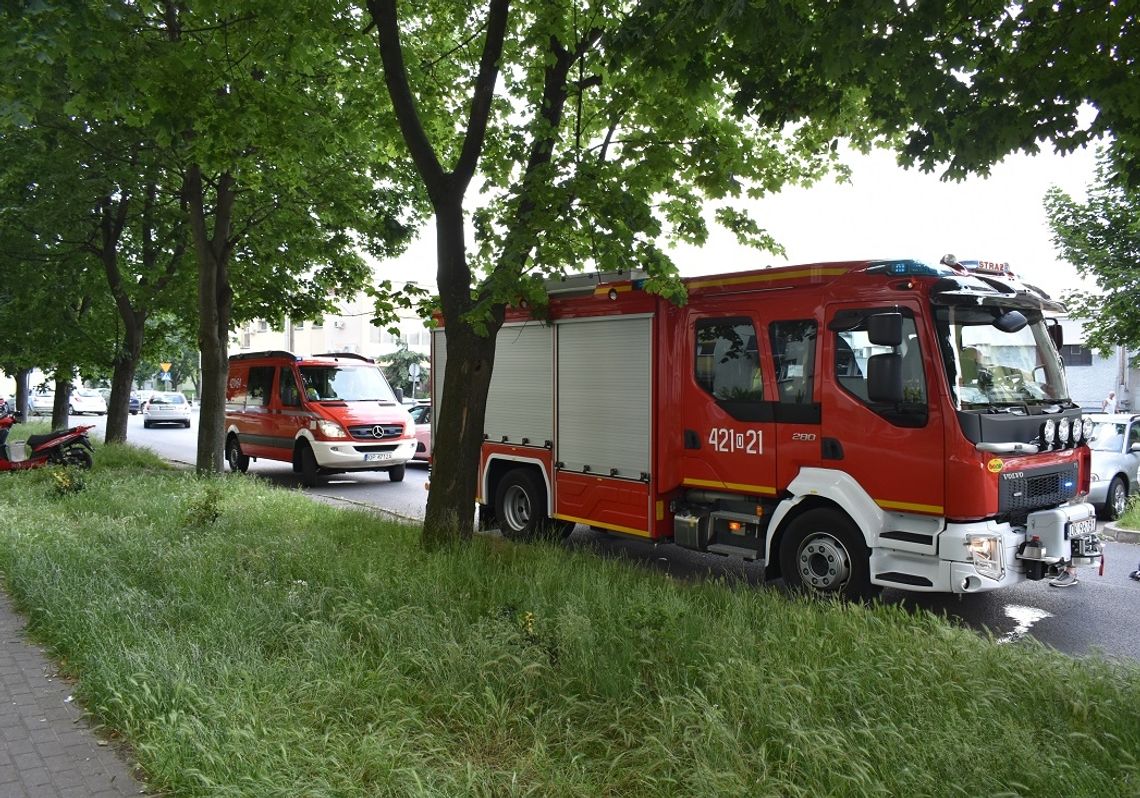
[(1063, 431), (1049, 432), (1087, 427), (330, 429), (986, 552)]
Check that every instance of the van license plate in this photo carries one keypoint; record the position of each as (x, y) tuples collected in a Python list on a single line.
[(371, 456)]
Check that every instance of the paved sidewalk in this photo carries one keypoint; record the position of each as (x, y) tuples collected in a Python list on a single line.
[(47, 749)]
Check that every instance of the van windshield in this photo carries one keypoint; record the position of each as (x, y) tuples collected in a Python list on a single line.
[(345, 384)]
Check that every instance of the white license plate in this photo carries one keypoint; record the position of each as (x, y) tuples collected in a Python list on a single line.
[(373, 456), (1082, 528)]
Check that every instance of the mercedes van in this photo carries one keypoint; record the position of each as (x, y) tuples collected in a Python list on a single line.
[(326, 414)]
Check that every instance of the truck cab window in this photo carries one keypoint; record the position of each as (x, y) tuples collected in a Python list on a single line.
[(793, 355), (852, 349), (728, 365)]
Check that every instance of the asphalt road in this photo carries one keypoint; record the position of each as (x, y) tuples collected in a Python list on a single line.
[(1100, 614)]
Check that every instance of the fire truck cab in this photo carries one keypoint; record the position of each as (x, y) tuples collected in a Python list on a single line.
[(853, 425)]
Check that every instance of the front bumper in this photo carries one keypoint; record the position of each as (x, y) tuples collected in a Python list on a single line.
[(1098, 493), (954, 571), (350, 455)]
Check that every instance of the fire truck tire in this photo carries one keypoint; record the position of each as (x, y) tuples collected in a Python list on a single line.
[(310, 472), (823, 552), (238, 462), (520, 504), (396, 473)]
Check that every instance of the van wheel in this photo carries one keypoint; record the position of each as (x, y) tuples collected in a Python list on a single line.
[(823, 552), (238, 462), (310, 471), (396, 473), (520, 505)]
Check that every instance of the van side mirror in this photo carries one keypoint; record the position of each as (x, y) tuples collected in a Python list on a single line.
[(399, 395), (885, 329)]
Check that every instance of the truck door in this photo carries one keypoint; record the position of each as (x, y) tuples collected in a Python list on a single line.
[(728, 412), (894, 450)]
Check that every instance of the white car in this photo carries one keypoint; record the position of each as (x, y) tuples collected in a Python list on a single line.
[(42, 403), (169, 407), (1115, 446), (88, 400)]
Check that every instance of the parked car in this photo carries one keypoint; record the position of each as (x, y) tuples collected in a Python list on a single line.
[(1115, 445), (88, 400), (137, 400), (169, 407), (42, 402), (421, 414)]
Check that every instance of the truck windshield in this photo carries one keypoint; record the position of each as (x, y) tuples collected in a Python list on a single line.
[(346, 384), (996, 371)]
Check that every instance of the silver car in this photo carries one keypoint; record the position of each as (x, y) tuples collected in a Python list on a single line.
[(1115, 445)]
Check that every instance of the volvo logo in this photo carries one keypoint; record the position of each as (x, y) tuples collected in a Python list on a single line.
[(377, 431)]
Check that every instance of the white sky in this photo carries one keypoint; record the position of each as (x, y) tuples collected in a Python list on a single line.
[(884, 212), (888, 212)]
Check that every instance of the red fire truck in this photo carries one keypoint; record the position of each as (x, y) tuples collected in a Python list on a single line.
[(853, 425)]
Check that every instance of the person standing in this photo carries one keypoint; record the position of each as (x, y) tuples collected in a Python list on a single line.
[(1067, 577), (1109, 403)]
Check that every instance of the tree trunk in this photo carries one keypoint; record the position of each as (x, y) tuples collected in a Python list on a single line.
[(23, 409), (61, 409), (215, 308), (458, 436), (122, 379)]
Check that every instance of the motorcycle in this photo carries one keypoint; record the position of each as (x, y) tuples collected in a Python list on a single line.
[(67, 447)]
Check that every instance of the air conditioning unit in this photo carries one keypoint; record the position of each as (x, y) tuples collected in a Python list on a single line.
[(338, 324)]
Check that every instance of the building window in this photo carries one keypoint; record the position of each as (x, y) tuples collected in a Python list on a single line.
[(262, 326), (1076, 355), (318, 323)]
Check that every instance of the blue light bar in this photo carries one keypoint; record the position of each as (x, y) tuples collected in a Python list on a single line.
[(906, 268)]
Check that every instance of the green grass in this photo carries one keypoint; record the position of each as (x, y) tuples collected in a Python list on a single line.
[(1130, 518), (247, 641)]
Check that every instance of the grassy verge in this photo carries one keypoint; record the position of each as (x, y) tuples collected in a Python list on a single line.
[(1130, 518), (247, 641)]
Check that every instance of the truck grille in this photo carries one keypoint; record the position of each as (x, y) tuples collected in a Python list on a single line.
[(1023, 491), (372, 432)]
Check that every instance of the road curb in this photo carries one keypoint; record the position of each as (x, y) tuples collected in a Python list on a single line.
[(1120, 534)]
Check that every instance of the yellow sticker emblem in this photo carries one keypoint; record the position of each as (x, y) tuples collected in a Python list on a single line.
[(995, 466)]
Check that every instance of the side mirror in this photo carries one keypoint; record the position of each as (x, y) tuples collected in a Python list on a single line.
[(1134, 447), (884, 378), (885, 329), (1011, 321), (399, 394), (1056, 333)]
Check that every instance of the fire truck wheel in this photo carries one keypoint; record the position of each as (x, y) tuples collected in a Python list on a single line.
[(238, 462), (520, 504), (310, 473), (396, 473), (824, 552)]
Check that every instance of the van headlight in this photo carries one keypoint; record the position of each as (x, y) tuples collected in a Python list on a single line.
[(330, 429), (987, 554)]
